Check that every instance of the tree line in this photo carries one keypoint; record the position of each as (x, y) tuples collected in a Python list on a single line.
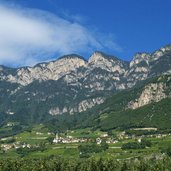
[(60, 164)]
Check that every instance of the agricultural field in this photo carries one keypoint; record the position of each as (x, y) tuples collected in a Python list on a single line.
[(38, 142)]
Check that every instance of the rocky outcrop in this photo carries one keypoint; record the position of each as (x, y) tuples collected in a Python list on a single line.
[(47, 71), (106, 62), (140, 57), (58, 111), (81, 107), (152, 93), (87, 104), (161, 52), (146, 65)]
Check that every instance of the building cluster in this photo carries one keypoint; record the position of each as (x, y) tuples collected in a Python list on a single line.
[(15, 145), (68, 139), (6, 147), (108, 140)]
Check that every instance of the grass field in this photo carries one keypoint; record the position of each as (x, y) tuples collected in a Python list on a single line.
[(39, 134)]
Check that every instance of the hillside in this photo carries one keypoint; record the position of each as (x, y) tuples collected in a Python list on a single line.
[(148, 105), (119, 112), (72, 85)]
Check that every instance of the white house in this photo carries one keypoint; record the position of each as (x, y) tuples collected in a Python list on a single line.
[(56, 139), (98, 140)]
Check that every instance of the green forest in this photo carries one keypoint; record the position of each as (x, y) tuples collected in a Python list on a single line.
[(60, 164)]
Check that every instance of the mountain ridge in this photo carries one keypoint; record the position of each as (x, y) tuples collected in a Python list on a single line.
[(72, 55), (98, 59), (72, 85)]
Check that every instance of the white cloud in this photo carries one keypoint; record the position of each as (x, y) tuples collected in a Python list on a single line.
[(28, 36)]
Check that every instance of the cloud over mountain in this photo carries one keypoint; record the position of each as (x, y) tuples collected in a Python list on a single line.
[(29, 36)]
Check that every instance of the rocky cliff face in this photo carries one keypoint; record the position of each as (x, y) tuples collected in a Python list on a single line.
[(46, 71), (151, 93), (80, 107), (108, 63), (71, 84), (145, 65)]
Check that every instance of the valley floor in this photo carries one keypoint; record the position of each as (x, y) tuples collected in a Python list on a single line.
[(85, 143)]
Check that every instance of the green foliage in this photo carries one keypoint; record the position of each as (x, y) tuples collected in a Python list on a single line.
[(160, 112), (137, 145), (142, 132), (146, 143), (166, 149), (17, 128), (50, 139), (60, 164), (26, 150), (86, 150), (133, 145), (104, 145)]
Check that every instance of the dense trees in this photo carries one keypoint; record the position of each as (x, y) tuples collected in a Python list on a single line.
[(26, 150), (86, 150), (50, 139), (146, 143), (60, 164), (137, 145), (133, 145), (166, 150)]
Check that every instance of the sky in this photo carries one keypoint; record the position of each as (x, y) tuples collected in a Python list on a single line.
[(33, 31)]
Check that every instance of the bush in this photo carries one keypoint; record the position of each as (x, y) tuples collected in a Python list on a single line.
[(87, 149), (133, 145), (146, 143), (166, 150)]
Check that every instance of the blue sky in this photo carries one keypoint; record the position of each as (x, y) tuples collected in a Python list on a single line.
[(117, 27)]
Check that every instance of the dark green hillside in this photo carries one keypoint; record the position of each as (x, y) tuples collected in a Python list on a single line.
[(153, 115), (114, 113), (111, 114)]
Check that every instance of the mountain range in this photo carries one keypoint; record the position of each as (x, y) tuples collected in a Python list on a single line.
[(95, 91)]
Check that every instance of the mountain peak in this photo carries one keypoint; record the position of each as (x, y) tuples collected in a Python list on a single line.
[(107, 62), (162, 51), (71, 56), (166, 48), (139, 57), (100, 56)]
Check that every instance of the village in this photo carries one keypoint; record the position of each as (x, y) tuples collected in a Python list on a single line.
[(35, 138)]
